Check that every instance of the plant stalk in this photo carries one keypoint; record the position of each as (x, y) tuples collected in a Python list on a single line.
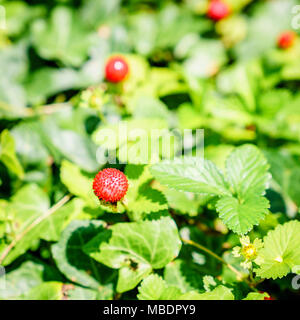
[(47, 214), (238, 274)]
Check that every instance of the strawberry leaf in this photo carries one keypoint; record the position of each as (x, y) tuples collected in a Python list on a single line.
[(135, 249), (241, 215), (219, 293), (247, 171), (191, 175), (155, 288), (280, 252)]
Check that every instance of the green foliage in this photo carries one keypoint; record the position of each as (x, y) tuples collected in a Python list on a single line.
[(136, 249), (155, 288), (256, 296), (75, 263), (64, 37), (219, 293), (8, 154), (240, 203), (281, 251), (191, 175)]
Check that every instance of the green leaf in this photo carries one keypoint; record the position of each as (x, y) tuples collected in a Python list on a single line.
[(189, 117), (262, 31), (136, 248), (219, 293), (236, 79), (13, 63), (191, 175), (96, 13), (183, 202), (271, 101), (77, 183), (240, 204), (29, 145), (256, 296), (30, 210), (248, 176), (66, 143), (286, 178), (247, 171), (182, 275), (52, 227), (8, 154), (154, 287), (51, 290), (218, 154), (46, 82), (206, 59), (26, 206), (28, 275), (73, 262), (149, 107), (18, 15), (280, 252), (241, 215), (142, 199), (79, 293)]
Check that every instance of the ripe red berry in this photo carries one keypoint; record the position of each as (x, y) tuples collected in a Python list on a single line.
[(218, 10), (110, 185), (286, 39), (116, 69)]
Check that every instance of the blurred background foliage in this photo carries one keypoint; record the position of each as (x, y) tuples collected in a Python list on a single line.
[(228, 77)]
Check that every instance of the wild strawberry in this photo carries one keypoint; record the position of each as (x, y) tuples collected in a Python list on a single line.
[(286, 39), (218, 10), (116, 69), (110, 185)]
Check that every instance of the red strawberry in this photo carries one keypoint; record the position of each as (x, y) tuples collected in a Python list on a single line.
[(286, 39), (218, 10), (110, 185), (116, 69)]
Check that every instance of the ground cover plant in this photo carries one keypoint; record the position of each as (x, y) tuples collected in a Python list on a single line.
[(220, 222)]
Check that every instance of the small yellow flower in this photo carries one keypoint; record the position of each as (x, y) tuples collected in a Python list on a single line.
[(248, 251)]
